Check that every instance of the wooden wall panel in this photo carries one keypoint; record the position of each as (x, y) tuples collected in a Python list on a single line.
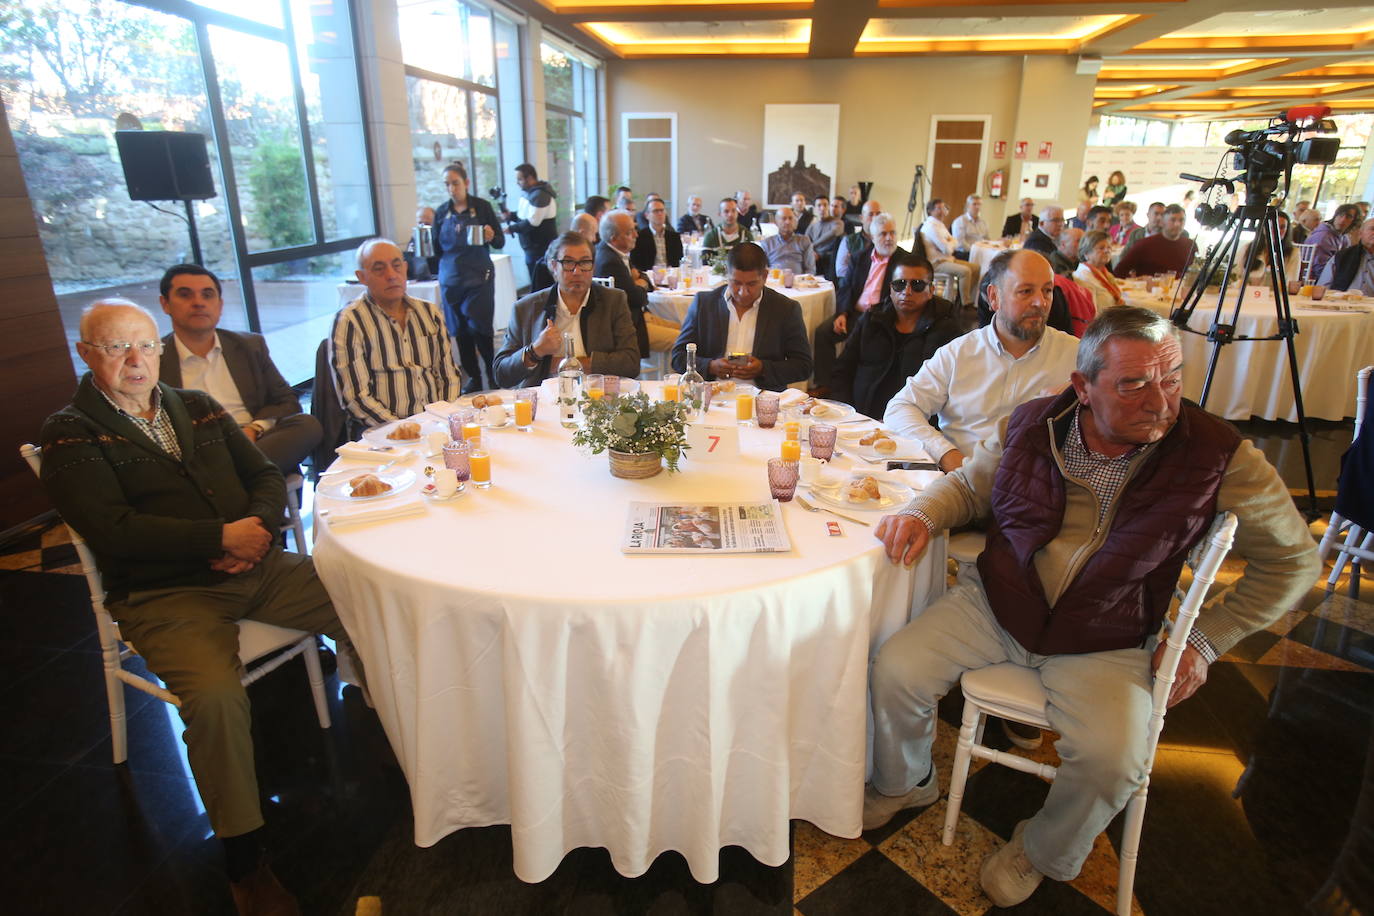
[(35, 368)]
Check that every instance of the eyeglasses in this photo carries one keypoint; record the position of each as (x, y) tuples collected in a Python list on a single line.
[(586, 264), (122, 347), (917, 286)]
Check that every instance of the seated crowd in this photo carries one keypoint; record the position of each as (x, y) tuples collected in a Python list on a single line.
[(170, 459)]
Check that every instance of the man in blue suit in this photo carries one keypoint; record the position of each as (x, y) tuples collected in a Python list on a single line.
[(745, 317)]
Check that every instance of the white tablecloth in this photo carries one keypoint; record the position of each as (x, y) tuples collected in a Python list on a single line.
[(817, 305), (982, 253), (527, 672), (1252, 378)]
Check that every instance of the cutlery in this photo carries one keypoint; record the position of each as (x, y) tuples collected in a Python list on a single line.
[(810, 508), (374, 469)]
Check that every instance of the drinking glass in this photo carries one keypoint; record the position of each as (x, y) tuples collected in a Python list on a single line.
[(822, 438), (456, 459), (672, 390), (595, 386), (525, 399), (766, 409), (611, 384), (744, 407), (782, 479), (481, 468)]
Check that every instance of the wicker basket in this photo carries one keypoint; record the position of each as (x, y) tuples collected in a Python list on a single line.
[(635, 467)]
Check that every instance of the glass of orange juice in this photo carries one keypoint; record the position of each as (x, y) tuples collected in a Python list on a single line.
[(524, 409), (791, 450), (480, 462), (595, 386), (744, 407), (672, 388)]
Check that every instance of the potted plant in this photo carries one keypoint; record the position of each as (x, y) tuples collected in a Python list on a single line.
[(639, 433)]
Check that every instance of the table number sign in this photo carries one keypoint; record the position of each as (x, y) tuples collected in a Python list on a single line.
[(712, 443)]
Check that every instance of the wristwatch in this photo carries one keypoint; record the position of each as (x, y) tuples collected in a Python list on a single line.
[(529, 357)]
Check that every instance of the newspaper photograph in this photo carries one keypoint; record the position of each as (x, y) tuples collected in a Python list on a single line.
[(697, 529)]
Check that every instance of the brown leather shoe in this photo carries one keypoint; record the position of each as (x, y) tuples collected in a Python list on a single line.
[(261, 894)]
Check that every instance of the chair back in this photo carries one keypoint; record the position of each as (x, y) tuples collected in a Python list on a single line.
[(1362, 383), (326, 407), (608, 282)]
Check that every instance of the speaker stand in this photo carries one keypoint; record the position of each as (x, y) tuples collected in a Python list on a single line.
[(195, 236)]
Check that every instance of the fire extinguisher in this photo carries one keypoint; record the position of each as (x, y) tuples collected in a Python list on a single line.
[(997, 179)]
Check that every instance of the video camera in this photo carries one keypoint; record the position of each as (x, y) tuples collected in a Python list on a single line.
[(1269, 153), (498, 195)]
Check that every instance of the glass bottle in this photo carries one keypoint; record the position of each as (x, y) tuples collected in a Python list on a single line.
[(693, 387), (569, 384)]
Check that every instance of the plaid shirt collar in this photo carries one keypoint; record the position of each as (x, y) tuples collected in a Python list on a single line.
[(1104, 475), (159, 429)]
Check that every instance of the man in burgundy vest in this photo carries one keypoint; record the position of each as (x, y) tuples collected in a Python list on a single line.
[(1093, 499)]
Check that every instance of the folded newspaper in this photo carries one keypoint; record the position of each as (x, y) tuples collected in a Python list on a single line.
[(721, 528)]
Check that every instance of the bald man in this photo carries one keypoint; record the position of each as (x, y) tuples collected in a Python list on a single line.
[(179, 508)]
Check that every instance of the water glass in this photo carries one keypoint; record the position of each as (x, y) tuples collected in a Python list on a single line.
[(525, 400), (822, 439), (456, 455), (611, 384), (766, 409), (460, 418), (782, 479)]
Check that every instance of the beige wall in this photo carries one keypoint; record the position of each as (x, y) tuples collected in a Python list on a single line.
[(885, 114)]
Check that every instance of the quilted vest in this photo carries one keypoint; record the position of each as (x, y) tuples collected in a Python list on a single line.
[(1121, 591)]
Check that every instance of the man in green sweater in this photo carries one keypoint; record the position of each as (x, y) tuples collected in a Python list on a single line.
[(180, 509)]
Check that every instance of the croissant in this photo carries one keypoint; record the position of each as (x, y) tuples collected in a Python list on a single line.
[(368, 485), (479, 401), (405, 431)]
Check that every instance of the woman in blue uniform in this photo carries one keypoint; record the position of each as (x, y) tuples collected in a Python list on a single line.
[(466, 282)]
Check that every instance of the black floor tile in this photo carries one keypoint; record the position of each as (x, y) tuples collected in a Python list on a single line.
[(190, 879), (44, 609), (873, 884), (22, 779), (84, 842), (19, 660), (1253, 647), (1335, 639)]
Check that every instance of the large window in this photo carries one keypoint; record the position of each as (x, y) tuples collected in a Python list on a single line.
[(571, 112), (271, 84)]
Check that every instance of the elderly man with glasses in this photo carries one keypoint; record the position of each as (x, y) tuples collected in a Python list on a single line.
[(180, 510), (597, 318)]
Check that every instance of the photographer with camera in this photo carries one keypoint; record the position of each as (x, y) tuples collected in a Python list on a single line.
[(535, 219)]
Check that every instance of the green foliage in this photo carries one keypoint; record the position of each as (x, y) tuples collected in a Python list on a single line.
[(633, 424), (277, 180)]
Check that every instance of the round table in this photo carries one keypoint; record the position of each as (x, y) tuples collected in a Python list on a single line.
[(982, 253), (1252, 378), (527, 672)]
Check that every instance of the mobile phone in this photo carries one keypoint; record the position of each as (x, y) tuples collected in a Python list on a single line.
[(912, 466), (738, 357)]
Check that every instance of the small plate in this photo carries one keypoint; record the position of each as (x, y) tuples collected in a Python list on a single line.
[(510, 421), (893, 495), (431, 493), (728, 397), (339, 488), (835, 411), (427, 425), (907, 450), (507, 397)]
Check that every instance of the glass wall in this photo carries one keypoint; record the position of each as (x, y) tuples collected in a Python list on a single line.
[(273, 87), (570, 99)]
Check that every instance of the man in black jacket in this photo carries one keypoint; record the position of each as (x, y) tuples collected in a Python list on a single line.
[(657, 242), (536, 218), (1023, 222), (769, 327), (1045, 238), (694, 220), (618, 235), (869, 274)]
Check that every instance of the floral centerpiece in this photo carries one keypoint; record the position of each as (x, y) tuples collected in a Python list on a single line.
[(638, 432)]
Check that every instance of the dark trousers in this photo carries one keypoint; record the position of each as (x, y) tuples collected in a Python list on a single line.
[(468, 312), (290, 440), (823, 366)]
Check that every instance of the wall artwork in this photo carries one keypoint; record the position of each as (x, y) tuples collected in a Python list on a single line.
[(800, 148)]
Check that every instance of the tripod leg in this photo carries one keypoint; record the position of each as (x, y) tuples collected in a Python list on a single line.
[(1288, 329)]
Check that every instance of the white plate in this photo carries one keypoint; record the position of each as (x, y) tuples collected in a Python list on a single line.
[(427, 425), (728, 397), (838, 410), (907, 450), (338, 488), (894, 495), (510, 421), (506, 397), (431, 493)]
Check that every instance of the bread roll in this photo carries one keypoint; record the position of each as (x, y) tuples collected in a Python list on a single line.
[(405, 431), (885, 446)]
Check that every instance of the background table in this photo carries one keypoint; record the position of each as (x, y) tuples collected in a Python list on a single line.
[(527, 672), (1252, 378), (817, 305)]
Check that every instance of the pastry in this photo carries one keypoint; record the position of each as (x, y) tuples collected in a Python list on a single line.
[(821, 411), (863, 490), (479, 401), (367, 485), (873, 437), (405, 431), (885, 446)]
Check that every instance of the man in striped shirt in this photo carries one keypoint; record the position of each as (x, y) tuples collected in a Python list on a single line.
[(389, 352)]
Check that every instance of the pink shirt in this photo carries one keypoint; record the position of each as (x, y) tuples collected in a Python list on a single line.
[(873, 286)]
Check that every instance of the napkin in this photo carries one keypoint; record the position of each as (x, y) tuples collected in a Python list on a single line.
[(358, 514), (361, 452), (441, 409), (790, 396)]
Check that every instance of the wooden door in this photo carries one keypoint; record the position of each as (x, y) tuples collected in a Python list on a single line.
[(954, 170)]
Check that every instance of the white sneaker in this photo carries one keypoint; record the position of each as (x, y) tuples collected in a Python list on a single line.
[(880, 808), (1007, 876)]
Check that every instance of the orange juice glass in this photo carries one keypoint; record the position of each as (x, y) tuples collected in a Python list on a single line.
[(472, 430), (791, 429), (672, 389), (480, 461), (524, 413), (744, 407), (791, 450)]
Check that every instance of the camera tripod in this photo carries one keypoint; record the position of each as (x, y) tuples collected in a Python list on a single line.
[(1262, 220), (915, 201)]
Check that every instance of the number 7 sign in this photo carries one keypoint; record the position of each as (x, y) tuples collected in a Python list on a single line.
[(712, 443)]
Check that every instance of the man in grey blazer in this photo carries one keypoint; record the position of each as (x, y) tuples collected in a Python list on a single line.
[(597, 317), (744, 316), (233, 368)]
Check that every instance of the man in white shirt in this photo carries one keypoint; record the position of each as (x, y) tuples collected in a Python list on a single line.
[(940, 245), (969, 227), (789, 249), (233, 368), (975, 380)]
